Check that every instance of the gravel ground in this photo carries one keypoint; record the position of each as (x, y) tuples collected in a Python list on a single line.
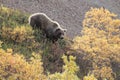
[(69, 13)]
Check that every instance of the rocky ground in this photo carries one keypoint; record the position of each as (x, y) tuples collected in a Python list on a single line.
[(69, 13)]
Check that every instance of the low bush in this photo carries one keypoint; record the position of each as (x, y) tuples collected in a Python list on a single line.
[(70, 70), (16, 67), (100, 43), (17, 34)]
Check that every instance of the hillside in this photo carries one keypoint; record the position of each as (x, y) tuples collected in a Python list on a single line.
[(25, 54), (69, 13)]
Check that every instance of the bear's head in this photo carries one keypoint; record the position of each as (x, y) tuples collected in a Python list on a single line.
[(59, 32)]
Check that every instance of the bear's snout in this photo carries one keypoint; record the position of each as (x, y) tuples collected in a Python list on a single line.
[(62, 37)]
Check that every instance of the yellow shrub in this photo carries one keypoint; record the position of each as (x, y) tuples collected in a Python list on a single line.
[(18, 34), (89, 77), (100, 40), (70, 69), (5, 9), (104, 22), (5, 32), (15, 67), (101, 35)]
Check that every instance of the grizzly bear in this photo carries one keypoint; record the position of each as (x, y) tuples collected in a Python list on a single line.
[(51, 29)]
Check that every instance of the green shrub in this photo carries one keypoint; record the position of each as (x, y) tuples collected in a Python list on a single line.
[(70, 70), (12, 18)]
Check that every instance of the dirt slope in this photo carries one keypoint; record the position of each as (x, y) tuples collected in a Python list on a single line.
[(68, 13)]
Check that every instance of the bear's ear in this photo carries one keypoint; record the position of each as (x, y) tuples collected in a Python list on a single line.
[(55, 25), (65, 30), (57, 30)]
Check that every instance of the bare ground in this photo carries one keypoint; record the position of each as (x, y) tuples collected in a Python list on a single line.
[(69, 13)]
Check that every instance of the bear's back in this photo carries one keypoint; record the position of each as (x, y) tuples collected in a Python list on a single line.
[(39, 20)]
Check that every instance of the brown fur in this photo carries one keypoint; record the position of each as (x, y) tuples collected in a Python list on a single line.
[(50, 28)]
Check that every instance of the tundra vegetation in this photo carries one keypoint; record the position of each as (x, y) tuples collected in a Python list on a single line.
[(25, 54)]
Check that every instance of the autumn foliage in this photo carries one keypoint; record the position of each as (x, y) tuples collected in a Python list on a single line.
[(26, 55), (15, 67), (70, 70), (17, 34), (100, 42)]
